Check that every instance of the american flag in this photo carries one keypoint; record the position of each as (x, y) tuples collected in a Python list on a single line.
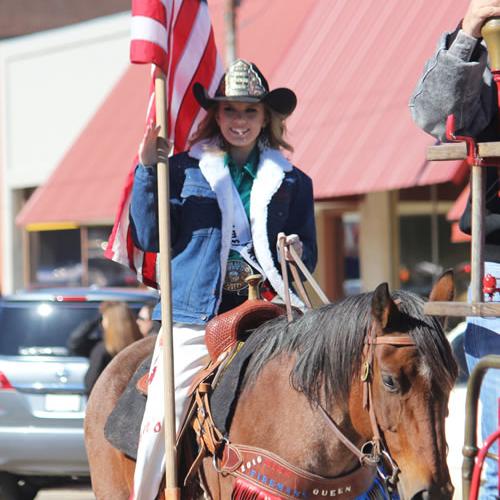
[(176, 36)]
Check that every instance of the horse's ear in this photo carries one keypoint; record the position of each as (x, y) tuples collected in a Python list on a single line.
[(384, 310), (444, 288)]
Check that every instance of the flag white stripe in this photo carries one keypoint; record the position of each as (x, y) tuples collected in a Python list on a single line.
[(145, 28), (197, 120), (217, 75), (190, 60), (169, 10), (176, 8)]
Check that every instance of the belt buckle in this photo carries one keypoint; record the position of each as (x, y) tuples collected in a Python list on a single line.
[(236, 272)]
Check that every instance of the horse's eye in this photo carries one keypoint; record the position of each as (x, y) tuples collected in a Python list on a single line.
[(390, 384)]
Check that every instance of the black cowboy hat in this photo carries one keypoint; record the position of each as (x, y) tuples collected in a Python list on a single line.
[(245, 83)]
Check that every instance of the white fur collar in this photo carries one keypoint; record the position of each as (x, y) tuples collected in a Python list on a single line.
[(270, 174), (211, 147), (211, 162)]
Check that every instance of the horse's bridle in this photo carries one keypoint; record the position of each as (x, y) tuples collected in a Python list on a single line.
[(374, 450)]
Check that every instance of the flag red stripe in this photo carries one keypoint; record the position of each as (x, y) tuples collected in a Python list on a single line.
[(182, 29), (182, 32), (149, 268), (130, 248), (152, 9), (127, 189), (189, 106), (146, 52)]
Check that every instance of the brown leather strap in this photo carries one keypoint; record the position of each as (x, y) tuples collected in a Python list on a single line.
[(206, 373), (203, 423), (271, 473), (300, 286), (362, 457), (295, 262), (391, 340), (371, 341), (284, 273), (309, 277), (377, 438)]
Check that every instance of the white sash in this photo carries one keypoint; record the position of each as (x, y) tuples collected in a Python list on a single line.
[(241, 235)]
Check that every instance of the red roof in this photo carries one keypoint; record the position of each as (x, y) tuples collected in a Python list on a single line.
[(353, 66)]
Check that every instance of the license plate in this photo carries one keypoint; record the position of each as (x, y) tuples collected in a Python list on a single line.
[(62, 402)]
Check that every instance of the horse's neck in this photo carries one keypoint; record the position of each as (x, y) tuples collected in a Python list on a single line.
[(272, 415)]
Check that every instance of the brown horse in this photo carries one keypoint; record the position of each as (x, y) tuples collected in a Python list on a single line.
[(316, 361)]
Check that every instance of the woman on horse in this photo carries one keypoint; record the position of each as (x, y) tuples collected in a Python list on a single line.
[(231, 195)]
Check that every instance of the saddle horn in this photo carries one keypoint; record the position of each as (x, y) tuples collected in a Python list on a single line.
[(254, 281)]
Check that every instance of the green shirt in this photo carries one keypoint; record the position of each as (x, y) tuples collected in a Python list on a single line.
[(243, 177)]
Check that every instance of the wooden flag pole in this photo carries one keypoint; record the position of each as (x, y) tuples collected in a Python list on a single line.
[(171, 490)]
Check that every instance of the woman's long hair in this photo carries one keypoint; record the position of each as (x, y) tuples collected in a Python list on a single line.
[(273, 133), (119, 326)]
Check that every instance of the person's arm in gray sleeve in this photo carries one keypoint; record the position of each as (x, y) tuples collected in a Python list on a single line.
[(455, 80)]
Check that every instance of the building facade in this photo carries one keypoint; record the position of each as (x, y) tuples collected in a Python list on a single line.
[(51, 84)]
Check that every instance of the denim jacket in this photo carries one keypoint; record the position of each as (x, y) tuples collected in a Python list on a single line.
[(201, 213)]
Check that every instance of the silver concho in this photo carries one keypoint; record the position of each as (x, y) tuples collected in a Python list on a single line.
[(236, 272)]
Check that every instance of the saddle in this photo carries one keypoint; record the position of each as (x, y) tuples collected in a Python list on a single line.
[(223, 331)]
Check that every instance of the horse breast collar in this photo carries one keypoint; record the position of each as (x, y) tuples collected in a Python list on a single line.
[(270, 473), (255, 468)]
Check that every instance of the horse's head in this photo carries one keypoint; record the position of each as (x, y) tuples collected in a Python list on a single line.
[(410, 387)]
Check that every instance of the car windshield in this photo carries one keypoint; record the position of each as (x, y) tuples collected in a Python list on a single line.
[(41, 328)]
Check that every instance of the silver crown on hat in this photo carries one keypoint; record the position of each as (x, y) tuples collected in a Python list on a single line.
[(242, 80)]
